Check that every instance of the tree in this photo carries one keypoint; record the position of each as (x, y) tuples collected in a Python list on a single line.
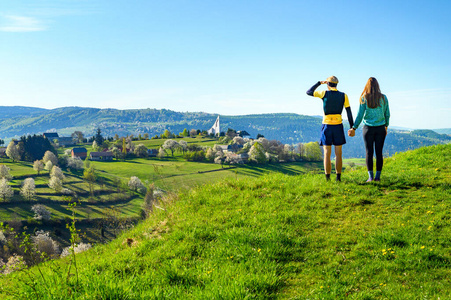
[(260, 136), (56, 172), (140, 150), (210, 155), (231, 133), (55, 184), (48, 166), (99, 138), (116, 152), (167, 134), (4, 172), (146, 136), (38, 166), (192, 133), (95, 146), (13, 152), (43, 243), (183, 145), (184, 133), (75, 163), (257, 154), (124, 148), (77, 136), (313, 151), (135, 184), (6, 192), (41, 212), (170, 145), (161, 153), (28, 190), (238, 140), (90, 176), (50, 156), (220, 158), (33, 147)]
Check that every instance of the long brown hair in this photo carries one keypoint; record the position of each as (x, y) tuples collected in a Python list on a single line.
[(372, 93)]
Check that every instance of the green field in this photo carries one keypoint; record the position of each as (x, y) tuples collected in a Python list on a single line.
[(276, 236)]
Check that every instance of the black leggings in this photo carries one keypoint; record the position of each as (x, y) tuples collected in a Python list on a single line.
[(374, 138)]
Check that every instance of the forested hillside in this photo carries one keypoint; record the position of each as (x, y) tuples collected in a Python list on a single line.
[(287, 128)]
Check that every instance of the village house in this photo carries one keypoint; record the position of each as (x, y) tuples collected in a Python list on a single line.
[(79, 152), (101, 156), (51, 135), (66, 141), (231, 148)]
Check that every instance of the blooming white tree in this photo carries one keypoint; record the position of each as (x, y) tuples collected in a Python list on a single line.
[(232, 158), (56, 172), (45, 244), (48, 166), (140, 150), (75, 163), (161, 153), (183, 145), (257, 154), (77, 249), (171, 145), (41, 212), (55, 184), (4, 172), (238, 140), (38, 166), (68, 152), (13, 151), (6, 192), (135, 184), (95, 147), (28, 190), (210, 155), (50, 156)]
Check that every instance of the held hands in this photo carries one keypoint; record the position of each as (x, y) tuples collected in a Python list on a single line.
[(323, 82), (351, 132)]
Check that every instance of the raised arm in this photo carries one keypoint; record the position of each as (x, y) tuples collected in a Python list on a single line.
[(311, 91)]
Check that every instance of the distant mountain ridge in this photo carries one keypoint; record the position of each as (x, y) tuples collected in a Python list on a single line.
[(286, 127)]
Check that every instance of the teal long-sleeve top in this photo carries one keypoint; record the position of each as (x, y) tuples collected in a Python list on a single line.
[(373, 116)]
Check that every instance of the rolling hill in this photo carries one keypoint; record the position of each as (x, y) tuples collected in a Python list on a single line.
[(277, 236)]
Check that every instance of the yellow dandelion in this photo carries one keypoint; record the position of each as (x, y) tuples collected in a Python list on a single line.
[(422, 247), (259, 250)]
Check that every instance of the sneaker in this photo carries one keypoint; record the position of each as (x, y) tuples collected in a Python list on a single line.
[(369, 180), (377, 179)]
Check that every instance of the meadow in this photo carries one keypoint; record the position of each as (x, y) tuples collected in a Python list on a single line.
[(275, 236)]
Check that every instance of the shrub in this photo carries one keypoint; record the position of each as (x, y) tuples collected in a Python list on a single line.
[(45, 244), (77, 249), (195, 156), (41, 212)]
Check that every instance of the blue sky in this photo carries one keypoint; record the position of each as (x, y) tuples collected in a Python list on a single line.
[(225, 56)]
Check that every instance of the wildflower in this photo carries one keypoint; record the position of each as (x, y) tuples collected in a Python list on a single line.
[(422, 247)]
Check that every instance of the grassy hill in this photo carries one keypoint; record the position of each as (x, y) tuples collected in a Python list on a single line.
[(276, 236)]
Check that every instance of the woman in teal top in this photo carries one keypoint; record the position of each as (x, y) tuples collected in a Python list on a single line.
[(375, 113)]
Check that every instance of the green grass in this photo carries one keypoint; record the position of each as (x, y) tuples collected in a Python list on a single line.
[(279, 236)]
